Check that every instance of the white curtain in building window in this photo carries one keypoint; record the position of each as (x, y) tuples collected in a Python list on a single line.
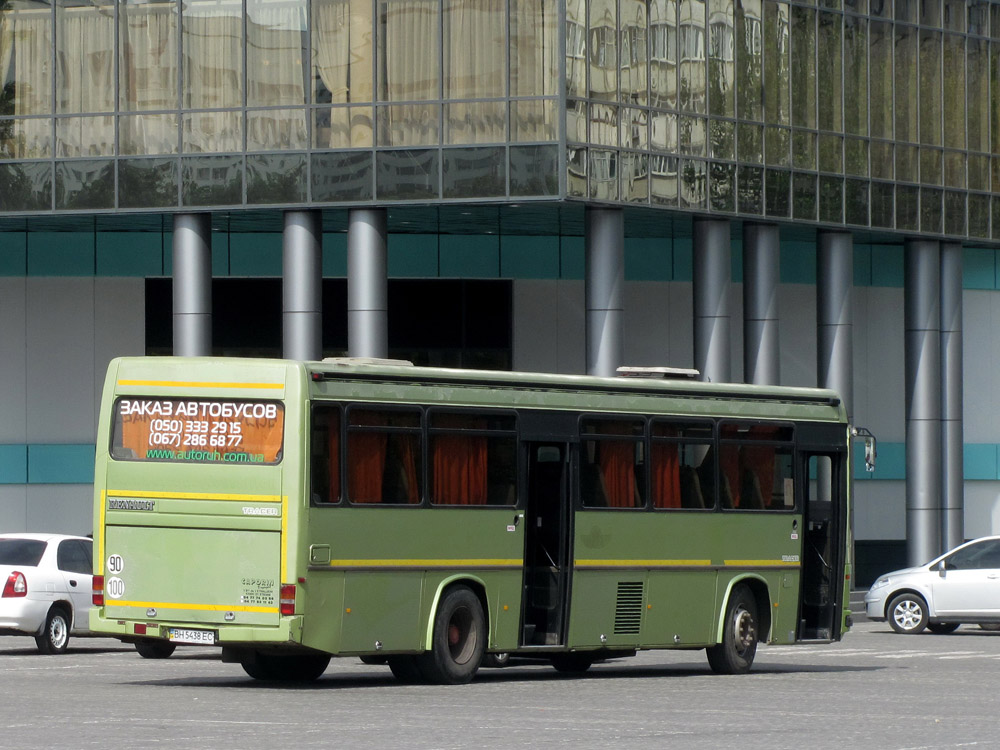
[(475, 67), (342, 55), (85, 43), (148, 76), (28, 35), (409, 72), (212, 71)]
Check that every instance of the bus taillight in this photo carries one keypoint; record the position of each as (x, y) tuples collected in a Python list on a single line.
[(98, 591), (287, 600)]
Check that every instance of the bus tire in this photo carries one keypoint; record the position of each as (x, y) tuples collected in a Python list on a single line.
[(458, 641), (572, 662), (55, 637), (404, 668), (155, 649), (284, 667), (739, 635)]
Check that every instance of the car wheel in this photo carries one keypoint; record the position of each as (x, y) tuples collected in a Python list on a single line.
[(496, 661), (991, 626), (942, 628), (155, 649), (908, 614), (55, 638)]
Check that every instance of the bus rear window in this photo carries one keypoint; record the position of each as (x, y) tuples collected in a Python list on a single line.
[(197, 430)]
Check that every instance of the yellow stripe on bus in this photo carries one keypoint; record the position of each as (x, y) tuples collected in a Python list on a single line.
[(424, 563), (167, 495), (202, 607), (762, 563), (198, 384), (642, 563)]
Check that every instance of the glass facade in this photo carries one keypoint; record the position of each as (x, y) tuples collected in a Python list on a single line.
[(881, 114)]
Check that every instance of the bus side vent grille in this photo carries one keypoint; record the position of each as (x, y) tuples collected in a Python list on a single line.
[(628, 611)]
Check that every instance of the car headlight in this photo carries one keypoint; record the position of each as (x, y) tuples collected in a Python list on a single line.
[(883, 581)]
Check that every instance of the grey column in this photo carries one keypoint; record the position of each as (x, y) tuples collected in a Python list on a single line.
[(302, 285), (367, 295), (952, 438), (192, 285), (712, 280), (761, 266), (605, 279), (923, 400), (834, 317)]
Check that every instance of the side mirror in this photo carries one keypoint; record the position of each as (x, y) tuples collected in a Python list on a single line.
[(942, 568), (871, 443)]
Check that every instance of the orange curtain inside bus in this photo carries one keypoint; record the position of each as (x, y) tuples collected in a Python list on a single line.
[(617, 461), (757, 463), (729, 476), (365, 466), (666, 475), (459, 470)]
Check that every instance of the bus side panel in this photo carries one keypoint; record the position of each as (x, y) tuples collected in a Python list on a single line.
[(381, 607), (682, 607)]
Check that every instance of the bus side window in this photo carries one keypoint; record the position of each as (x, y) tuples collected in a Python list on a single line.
[(325, 454), (678, 454), (612, 466), (384, 456), (472, 458), (755, 467)]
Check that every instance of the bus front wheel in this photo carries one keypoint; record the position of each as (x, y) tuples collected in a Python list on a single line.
[(284, 667), (739, 635), (459, 639)]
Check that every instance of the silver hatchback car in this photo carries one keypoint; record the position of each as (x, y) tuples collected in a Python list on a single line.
[(961, 586)]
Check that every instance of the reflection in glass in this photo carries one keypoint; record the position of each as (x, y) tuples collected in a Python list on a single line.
[(26, 139), (979, 172), (407, 175), (882, 160), (855, 75), (663, 52), (634, 62), (147, 183), (343, 127), (663, 132), (777, 145), (147, 134), (979, 215), (954, 169), (602, 49), (85, 136), (777, 63), (722, 195), (931, 219), (906, 84), (25, 60), (635, 177), (856, 157), (576, 120), (721, 71), (212, 60), (750, 190), (954, 212), (534, 120), (803, 150), (804, 196), (576, 172), (147, 68), (749, 49), (907, 163), (930, 88), (692, 131), (212, 131), (603, 169), (804, 70), (474, 172), (831, 199), (408, 125), (693, 189), (576, 48), (211, 180), (277, 130), (954, 91), (85, 56), (534, 48), (750, 143), (907, 207), (475, 122), (634, 128), (534, 170), (883, 211), (408, 50), (776, 189), (830, 153), (978, 95), (663, 179), (604, 124), (276, 178), (691, 49), (880, 49), (856, 202), (342, 177), (25, 186), (995, 223), (722, 139), (342, 62), (930, 166), (830, 70), (475, 50), (85, 184), (276, 73)]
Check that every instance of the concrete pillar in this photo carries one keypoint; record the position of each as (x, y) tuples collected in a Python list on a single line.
[(834, 317), (604, 289), (761, 274), (712, 280), (192, 252), (302, 285), (952, 437), (923, 399), (367, 294)]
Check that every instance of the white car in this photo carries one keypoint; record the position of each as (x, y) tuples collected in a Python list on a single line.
[(46, 580), (961, 586)]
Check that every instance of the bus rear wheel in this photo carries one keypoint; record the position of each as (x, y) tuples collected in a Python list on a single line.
[(284, 667), (739, 635), (459, 639)]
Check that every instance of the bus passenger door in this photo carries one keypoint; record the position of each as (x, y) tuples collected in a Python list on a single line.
[(546, 552), (822, 556)]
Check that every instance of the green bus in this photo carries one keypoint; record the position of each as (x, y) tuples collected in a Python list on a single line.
[(439, 519)]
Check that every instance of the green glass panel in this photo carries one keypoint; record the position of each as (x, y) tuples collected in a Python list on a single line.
[(777, 146), (85, 184), (276, 178), (804, 196), (749, 60), (954, 91), (25, 186), (931, 218), (930, 87), (831, 148), (691, 45), (880, 50), (576, 48), (855, 75), (831, 199), (978, 100), (979, 215), (722, 193), (954, 169), (882, 160), (905, 90), (856, 157), (342, 177), (803, 31), (407, 175), (931, 166), (693, 192), (907, 208), (777, 63), (830, 45), (883, 210), (722, 139), (750, 190), (750, 143), (474, 172), (856, 202), (777, 185), (211, 180), (721, 58), (803, 150), (534, 170), (954, 213), (147, 183)]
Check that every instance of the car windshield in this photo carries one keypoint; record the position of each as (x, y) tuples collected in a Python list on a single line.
[(21, 551)]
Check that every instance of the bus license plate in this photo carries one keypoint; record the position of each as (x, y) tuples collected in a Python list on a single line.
[(199, 637)]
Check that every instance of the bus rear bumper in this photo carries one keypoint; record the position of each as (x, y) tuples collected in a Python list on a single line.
[(288, 631)]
